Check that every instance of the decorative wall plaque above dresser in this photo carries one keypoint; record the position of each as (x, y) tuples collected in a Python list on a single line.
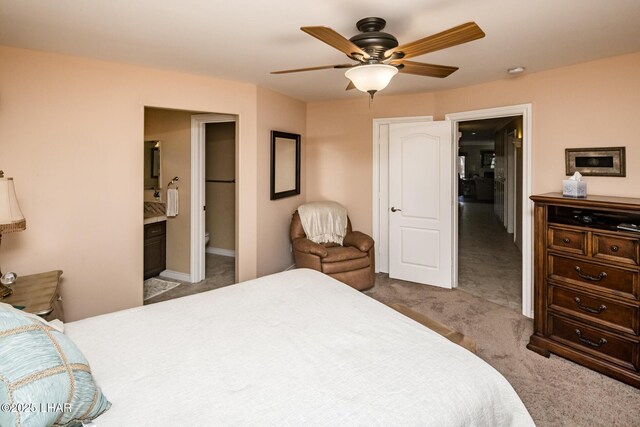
[(587, 287)]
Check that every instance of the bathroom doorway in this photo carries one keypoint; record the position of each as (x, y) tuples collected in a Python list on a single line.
[(171, 241), (220, 202)]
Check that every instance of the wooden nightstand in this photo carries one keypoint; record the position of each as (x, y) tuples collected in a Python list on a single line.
[(39, 294)]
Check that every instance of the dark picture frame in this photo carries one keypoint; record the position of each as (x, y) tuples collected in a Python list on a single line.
[(486, 158), (598, 161), (285, 164)]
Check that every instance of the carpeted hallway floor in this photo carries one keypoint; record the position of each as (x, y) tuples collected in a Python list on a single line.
[(483, 244), (556, 391)]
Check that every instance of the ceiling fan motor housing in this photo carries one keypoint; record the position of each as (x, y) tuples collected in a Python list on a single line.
[(372, 40)]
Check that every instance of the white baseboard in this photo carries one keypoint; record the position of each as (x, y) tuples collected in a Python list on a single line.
[(220, 251), (176, 275), (291, 267)]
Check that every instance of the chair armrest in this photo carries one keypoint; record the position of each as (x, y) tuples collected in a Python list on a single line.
[(358, 240), (306, 246)]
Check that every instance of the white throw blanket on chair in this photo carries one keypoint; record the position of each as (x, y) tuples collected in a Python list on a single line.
[(324, 221)]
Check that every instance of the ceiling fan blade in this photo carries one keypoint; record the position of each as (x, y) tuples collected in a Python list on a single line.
[(452, 37), (332, 38), (322, 67), (422, 69), (350, 85)]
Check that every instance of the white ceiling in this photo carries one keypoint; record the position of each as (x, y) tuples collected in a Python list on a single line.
[(246, 39)]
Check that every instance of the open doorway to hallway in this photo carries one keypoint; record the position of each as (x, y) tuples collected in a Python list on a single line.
[(490, 203)]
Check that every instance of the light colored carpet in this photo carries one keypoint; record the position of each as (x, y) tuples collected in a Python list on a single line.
[(556, 392), (155, 286), (484, 244)]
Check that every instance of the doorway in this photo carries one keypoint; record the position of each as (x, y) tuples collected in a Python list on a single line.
[(220, 202), (523, 217), (214, 175), (380, 193), (171, 242), (489, 231)]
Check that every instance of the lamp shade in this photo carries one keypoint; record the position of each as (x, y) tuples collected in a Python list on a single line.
[(371, 77), (11, 218)]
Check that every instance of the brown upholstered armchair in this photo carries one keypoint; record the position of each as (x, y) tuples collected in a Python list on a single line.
[(353, 263)]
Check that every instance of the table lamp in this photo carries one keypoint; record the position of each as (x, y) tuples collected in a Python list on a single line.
[(11, 221)]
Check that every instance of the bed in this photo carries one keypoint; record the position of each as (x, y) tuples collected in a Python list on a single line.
[(288, 349)]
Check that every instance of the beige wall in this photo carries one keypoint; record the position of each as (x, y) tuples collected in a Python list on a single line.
[(173, 129), (220, 197), (586, 105), (70, 135), (276, 112), (339, 153)]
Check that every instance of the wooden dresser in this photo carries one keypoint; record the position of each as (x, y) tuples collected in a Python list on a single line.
[(587, 286)]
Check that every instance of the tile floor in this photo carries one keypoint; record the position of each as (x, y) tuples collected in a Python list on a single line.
[(489, 262), (219, 272)]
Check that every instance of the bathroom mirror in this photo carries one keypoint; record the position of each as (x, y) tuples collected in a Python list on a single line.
[(152, 162), (285, 164)]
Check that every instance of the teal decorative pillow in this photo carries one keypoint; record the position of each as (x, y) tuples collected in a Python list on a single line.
[(44, 378)]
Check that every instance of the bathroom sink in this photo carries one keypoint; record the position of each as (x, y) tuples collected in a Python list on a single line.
[(154, 212), (150, 218)]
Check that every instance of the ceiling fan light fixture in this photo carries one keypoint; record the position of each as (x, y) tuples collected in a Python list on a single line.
[(371, 78)]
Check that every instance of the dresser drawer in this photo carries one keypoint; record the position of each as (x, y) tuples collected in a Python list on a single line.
[(616, 248), (616, 349), (567, 240), (604, 311), (596, 276)]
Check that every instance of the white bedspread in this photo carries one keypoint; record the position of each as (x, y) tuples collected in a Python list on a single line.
[(292, 349)]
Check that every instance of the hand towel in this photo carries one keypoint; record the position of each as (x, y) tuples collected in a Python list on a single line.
[(173, 202)]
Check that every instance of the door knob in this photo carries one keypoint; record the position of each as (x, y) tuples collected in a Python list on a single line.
[(393, 209)]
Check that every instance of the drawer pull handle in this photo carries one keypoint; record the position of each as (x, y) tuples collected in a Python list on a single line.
[(614, 248), (601, 276), (589, 309), (600, 343), (566, 240)]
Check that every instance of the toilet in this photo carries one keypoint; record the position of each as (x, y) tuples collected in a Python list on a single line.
[(206, 238)]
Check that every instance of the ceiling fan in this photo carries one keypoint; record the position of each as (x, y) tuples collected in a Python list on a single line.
[(379, 56)]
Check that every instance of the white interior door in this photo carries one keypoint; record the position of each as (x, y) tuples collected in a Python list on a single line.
[(420, 202)]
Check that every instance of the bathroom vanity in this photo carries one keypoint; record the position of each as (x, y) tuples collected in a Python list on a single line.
[(155, 248)]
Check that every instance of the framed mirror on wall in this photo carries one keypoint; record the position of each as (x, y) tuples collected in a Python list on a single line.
[(152, 168), (285, 164)]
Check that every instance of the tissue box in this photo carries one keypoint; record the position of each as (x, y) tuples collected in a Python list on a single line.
[(571, 188)]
